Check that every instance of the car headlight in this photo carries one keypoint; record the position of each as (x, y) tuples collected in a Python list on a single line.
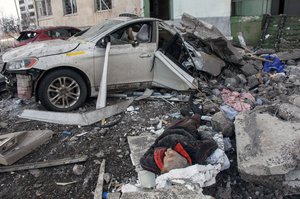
[(21, 64)]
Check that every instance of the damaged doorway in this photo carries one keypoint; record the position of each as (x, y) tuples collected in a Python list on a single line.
[(158, 9)]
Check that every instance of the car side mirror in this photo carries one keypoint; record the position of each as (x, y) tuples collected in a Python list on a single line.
[(135, 43), (103, 42)]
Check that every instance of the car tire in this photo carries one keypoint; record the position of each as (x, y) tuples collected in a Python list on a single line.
[(62, 90)]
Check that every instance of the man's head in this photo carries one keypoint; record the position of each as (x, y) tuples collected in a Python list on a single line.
[(173, 160)]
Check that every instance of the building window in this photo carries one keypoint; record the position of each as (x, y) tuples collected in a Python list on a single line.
[(22, 8), (21, 2), (103, 5), (30, 6), (44, 7), (70, 6), (31, 14)]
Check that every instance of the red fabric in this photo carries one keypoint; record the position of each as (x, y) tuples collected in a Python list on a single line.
[(159, 155), (179, 149)]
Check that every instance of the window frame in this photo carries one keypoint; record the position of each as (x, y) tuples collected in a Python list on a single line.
[(73, 6), (43, 8), (99, 2)]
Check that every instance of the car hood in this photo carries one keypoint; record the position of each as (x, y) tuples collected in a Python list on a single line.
[(40, 49)]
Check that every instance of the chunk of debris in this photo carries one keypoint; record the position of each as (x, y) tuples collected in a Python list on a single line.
[(176, 192), (289, 112), (65, 183), (288, 55), (82, 119), (212, 64), (78, 169), (147, 179), (249, 69), (99, 186), (211, 37), (49, 163), (14, 146), (267, 148), (221, 123)]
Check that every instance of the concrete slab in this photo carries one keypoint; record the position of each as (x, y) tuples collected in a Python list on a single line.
[(138, 146), (289, 112), (266, 145), (26, 143), (177, 192)]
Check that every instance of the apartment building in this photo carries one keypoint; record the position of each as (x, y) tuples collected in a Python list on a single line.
[(28, 15), (82, 13)]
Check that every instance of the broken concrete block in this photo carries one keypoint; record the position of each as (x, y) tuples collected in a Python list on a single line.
[(8, 141), (138, 146), (221, 123), (252, 81), (289, 112), (266, 146), (288, 55), (249, 69), (25, 144), (291, 62), (242, 79), (295, 99), (147, 179), (176, 192), (231, 82), (264, 51), (212, 64), (212, 37)]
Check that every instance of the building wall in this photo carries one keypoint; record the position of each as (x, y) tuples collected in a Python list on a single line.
[(215, 12), (202, 8), (86, 13), (253, 7)]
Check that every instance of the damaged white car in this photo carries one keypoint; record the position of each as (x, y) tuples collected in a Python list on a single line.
[(144, 52)]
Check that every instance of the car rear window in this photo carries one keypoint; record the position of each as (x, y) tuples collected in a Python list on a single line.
[(26, 35)]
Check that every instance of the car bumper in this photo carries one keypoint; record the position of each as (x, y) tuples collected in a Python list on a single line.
[(12, 81)]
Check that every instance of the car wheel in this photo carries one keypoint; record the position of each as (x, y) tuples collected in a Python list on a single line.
[(62, 90)]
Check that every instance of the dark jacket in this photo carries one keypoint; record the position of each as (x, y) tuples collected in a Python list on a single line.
[(184, 133)]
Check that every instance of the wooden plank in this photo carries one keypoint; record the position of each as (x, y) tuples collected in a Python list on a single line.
[(99, 186), (37, 165)]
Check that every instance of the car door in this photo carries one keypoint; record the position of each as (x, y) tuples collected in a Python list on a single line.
[(131, 56), (173, 64)]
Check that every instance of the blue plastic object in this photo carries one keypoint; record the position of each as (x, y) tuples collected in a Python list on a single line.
[(275, 65), (104, 195)]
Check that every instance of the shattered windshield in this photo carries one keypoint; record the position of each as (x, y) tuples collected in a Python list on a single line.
[(98, 29)]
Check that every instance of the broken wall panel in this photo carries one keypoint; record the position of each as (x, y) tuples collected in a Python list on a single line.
[(210, 39), (27, 141)]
